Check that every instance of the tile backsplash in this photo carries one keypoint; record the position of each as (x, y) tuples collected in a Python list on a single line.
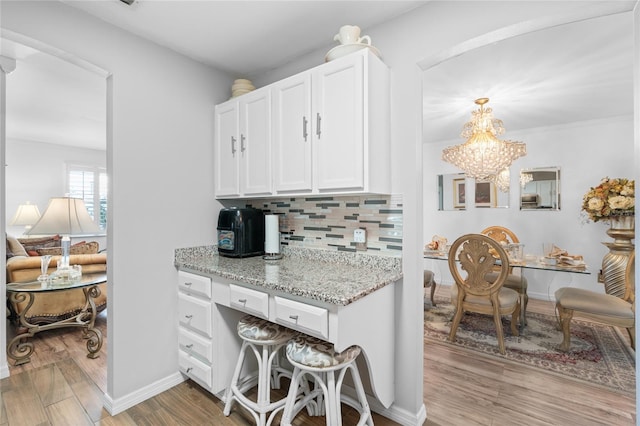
[(329, 222)]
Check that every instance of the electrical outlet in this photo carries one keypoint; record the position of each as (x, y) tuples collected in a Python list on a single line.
[(359, 236)]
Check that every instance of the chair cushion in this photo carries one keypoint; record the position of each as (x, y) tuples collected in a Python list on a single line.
[(507, 297), (605, 307), (312, 352), (258, 329), (428, 278)]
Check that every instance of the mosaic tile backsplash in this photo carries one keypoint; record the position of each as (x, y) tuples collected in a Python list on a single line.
[(329, 222)]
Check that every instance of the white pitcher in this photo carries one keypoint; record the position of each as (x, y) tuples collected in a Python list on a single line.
[(350, 34)]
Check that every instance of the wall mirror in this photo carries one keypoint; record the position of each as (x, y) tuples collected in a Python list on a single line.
[(487, 194), (540, 188), (452, 193)]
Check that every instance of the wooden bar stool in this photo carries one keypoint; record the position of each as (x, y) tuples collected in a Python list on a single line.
[(318, 359), (265, 339)]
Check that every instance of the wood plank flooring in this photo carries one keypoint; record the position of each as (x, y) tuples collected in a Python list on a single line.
[(61, 386)]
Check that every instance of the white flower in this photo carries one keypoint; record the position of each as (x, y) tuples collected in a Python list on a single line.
[(627, 191), (596, 204), (621, 203)]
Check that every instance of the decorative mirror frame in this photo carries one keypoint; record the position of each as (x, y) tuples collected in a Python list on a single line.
[(542, 192)]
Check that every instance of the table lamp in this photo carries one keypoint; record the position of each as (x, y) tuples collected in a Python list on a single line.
[(68, 217), (26, 215)]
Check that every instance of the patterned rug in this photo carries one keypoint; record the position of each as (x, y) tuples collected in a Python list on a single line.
[(598, 354)]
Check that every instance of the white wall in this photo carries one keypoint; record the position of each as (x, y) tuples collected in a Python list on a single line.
[(36, 171), (585, 152), (159, 157)]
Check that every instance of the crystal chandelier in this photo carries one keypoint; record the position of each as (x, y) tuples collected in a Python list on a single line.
[(525, 178), (501, 180), (483, 155)]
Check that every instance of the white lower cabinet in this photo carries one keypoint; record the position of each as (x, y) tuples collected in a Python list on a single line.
[(195, 329), (208, 344)]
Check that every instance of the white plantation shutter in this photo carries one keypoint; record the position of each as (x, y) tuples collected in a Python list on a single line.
[(90, 183)]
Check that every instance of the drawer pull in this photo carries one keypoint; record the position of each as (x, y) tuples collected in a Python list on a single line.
[(189, 370), (294, 317), (189, 346), (188, 284), (188, 316), (242, 300)]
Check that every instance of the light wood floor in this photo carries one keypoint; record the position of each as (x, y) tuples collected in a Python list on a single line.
[(61, 386)]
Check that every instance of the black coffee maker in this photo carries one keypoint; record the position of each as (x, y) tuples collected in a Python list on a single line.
[(240, 232)]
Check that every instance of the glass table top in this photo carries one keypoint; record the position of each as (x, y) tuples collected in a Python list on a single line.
[(86, 280)]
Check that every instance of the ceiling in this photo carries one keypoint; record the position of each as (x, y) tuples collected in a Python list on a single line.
[(570, 73)]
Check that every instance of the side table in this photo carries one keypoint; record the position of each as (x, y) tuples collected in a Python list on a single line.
[(20, 349)]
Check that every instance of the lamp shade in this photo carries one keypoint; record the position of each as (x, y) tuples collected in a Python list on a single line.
[(65, 216), (26, 215)]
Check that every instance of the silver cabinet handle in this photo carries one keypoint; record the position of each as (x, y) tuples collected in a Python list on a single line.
[(233, 145), (189, 346), (242, 300), (188, 284), (304, 128), (318, 120), (188, 316), (189, 370), (242, 139), (294, 317)]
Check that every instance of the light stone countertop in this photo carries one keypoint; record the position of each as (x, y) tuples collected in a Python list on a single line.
[(338, 278)]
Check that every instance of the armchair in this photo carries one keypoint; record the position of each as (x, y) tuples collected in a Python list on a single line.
[(599, 307), (473, 253)]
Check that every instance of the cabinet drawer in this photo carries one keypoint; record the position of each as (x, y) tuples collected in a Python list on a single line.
[(302, 317), (251, 301), (194, 284), (195, 369), (195, 345), (195, 313)]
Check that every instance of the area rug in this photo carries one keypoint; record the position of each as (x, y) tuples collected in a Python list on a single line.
[(598, 354)]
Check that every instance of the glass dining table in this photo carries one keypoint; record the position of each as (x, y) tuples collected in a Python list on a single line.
[(527, 263)]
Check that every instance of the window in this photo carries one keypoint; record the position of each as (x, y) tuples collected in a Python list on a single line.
[(90, 184)]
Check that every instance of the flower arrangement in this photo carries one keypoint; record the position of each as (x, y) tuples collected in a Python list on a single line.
[(613, 197)]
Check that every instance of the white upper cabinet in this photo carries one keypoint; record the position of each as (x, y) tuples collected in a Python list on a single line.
[(338, 105), (226, 156), (330, 128), (292, 134), (243, 146)]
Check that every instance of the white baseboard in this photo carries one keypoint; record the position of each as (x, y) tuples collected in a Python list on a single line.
[(116, 406), (395, 413), (400, 415)]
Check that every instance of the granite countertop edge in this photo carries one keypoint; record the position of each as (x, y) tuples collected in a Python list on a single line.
[(323, 275)]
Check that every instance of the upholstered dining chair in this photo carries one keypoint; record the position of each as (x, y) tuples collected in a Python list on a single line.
[(516, 282), (599, 307), (477, 255), (430, 282)]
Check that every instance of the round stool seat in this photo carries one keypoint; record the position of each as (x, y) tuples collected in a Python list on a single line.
[(316, 353), (319, 360), (260, 330)]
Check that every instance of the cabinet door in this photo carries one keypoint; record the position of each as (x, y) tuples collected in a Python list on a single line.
[(339, 124), (292, 134), (226, 150), (255, 143)]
